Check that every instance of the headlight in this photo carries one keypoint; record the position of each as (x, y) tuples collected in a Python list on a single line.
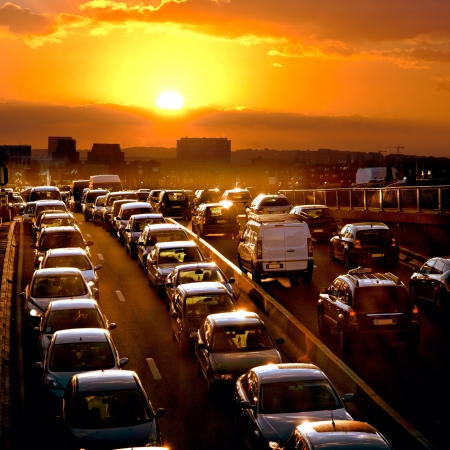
[(51, 383), (223, 376), (35, 312)]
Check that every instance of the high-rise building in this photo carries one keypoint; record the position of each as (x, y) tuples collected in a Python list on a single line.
[(66, 152), (108, 154), (53, 143), (203, 150), (19, 155)]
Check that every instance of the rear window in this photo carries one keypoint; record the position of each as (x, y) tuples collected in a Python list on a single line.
[(166, 236), (239, 196), (379, 299), (316, 213), (92, 196), (216, 211), (130, 212), (373, 233), (275, 202), (175, 196), (45, 195), (210, 197)]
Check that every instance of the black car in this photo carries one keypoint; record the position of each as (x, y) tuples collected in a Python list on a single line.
[(215, 218), (364, 244), (363, 305), (432, 282), (206, 196), (319, 218), (174, 203)]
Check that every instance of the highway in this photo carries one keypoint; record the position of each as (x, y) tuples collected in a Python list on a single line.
[(411, 385)]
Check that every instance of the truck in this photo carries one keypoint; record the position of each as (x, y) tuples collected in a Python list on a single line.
[(111, 183), (371, 174)]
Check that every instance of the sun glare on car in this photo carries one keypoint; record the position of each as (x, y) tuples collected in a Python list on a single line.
[(170, 100)]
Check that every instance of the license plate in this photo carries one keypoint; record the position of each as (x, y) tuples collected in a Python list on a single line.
[(221, 221), (384, 322), (377, 255), (318, 230), (174, 207), (274, 266)]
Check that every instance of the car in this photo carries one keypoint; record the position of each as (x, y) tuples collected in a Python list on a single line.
[(215, 218), (50, 218), (195, 273), (154, 233), (142, 194), (365, 244), (240, 198), (319, 218), (49, 205), (174, 203), (76, 194), (110, 198), (192, 303), (72, 257), (18, 203), (67, 314), (153, 197), (28, 214), (47, 285), (109, 410), (431, 282), (206, 196), (267, 204), (125, 212), (361, 306), (167, 255), (58, 237), (88, 201), (134, 228), (113, 227), (96, 210), (229, 344), (270, 400), (44, 193), (76, 350), (335, 434), (276, 245)]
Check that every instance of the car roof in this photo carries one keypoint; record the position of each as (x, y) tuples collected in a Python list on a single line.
[(311, 206), (147, 216), (80, 334), (66, 251), (50, 202), (175, 244), (57, 271), (62, 229), (361, 225), (197, 265), (204, 288), (163, 226), (288, 372), (135, 204), (59, 305), (106, 380), (234, 318)]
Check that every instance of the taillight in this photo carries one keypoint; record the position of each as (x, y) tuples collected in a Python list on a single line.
[(415, 314), (260, 211), (237, 220), (310, 247), (393, 242), (357, 243), (352, 318), (259, 248)]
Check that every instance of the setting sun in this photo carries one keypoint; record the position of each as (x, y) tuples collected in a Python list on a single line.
[(170, 100)]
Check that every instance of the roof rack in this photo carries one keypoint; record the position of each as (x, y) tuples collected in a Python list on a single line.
[(284, 217)]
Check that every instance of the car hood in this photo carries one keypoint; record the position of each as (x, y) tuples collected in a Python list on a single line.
[(121, 437), (42, 302), (238, 363), (279, 427), (167, 268)]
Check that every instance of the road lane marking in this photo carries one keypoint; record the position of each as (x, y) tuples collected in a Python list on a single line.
[(88, 235), (121, 297), (153, 369), (100, 257)]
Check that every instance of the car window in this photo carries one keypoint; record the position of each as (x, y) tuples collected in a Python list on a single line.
[(234, 339), (203, 305), (130, 212), (381, 299), (79, 261), (180, 254), (373, 233), (166, 236), (73, 318), (278, 201), (57, 240)]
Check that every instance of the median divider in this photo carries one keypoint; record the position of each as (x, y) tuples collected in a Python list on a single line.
[(302, 346)]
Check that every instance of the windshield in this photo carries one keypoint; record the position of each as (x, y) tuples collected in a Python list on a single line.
[(382, 299), (181, 254), (73, 318), (109, 409), (234, 339), (196, 275), (298, 396), (79, 261), (166, 236), (203, 305), (130, 212), (59, 286), (60, 240)]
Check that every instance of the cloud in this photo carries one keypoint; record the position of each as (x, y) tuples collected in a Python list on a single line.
[(23, 21), (443, 85), (245, 127)]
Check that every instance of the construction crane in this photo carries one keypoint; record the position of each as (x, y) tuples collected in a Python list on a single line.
[(398, 147)]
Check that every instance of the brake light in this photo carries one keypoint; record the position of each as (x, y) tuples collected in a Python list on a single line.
[(415, 314), (357, 243), (352, 318), (260, 211), (393, 242), (310, 247), (259, 248)]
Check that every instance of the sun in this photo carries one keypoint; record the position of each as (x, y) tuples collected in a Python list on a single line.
[(169, 100)]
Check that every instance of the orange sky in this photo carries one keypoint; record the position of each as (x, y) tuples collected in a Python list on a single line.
[(282, 74)]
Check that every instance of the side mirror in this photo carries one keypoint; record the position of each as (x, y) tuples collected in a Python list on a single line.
[(279, 341), (123, 362), (175, 315), (231, 280), (169, 285), (39, 365), (112, 326), (323, 290), (159, 413), (202, 346), (348, 398), (127, 230), (33, 246), (247, 405), (89, 243), (22, 295), (98, 266), (416, 269)]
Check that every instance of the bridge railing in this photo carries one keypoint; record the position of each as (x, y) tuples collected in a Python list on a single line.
[(433, 199)]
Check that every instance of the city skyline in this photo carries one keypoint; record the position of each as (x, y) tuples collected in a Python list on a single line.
[(352, 75)]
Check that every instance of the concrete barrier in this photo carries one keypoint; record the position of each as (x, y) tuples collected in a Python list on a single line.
[(302, 346)]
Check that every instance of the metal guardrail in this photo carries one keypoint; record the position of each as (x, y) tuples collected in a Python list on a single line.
[(432, 199)]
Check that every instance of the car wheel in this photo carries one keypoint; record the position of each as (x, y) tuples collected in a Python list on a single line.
[(344, 341), (438, 302), (121, 240), (332, 256), (307, 277), (347, 261), (139, 262), (86, 218), (412, 343), (160, 291), (184, 346), (256, 277), (106, 227), (212, 391), (324, 329)]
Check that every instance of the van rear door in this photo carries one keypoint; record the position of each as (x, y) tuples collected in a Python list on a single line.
[(296, 244)]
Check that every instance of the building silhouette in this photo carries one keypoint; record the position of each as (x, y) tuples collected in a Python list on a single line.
[(65, 152), (204, 150), (15, 155), (106, 154)]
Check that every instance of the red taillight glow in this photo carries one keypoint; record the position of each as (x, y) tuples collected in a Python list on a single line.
[(393, 243), (357, 243)]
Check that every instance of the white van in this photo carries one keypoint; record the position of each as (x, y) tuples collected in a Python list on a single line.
[(368, 174), (109, 182), (276, 246)]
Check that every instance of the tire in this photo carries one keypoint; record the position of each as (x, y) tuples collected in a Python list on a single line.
[(160, 292), (438, 301), (324, 329), (307, 277), (347, 261), (332, 256), (107, 227), (212, 391), (184, 346), (256, 277), (412, 343), (139, 263), (344, 341), (86, 219)]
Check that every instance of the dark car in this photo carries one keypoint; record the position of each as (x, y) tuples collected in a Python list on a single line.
[(228, 345), (240, 198), (113, 227), (125, 212), (319, 218), (110, 198), (192, 303), (215, 218), (195, 273), (88, 201), (206, 196), (337, 435), (134, 228), (364, 244), (362, 305), (108, 410), (174, 203), (431, 282), (153, 197), (271, 400)]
